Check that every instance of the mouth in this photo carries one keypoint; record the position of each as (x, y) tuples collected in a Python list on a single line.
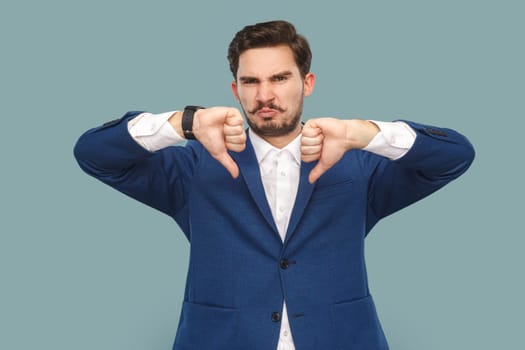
[(266, 113)]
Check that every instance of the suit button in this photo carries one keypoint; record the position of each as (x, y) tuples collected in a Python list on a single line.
[(284, 264), (437, 132), (110, 123), (276, 317)]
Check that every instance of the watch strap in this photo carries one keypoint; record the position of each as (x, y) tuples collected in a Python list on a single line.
[(187, 121)]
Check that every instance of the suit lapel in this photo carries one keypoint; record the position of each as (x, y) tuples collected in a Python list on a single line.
[(304, 191), (249, 171)]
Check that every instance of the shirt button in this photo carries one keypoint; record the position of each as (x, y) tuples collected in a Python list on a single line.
[(283, 173), (276, 317), (285, 334)]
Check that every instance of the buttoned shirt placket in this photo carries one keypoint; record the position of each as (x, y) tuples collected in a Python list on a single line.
[(280, 177)]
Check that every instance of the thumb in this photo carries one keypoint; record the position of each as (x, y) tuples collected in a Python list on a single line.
[(318, 170), (227, 161)]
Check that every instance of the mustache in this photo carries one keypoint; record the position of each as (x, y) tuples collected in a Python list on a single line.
[(266, 105)]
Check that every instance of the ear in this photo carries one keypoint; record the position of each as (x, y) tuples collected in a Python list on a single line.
[(309, 83), (234, 90)]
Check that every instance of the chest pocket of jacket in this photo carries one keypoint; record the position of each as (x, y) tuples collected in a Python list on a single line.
[(325, 191)]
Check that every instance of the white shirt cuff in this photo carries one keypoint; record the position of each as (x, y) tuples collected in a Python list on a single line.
[(393, 141), (153, 131)]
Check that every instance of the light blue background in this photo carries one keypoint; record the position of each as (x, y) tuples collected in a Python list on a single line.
[(84, 267)]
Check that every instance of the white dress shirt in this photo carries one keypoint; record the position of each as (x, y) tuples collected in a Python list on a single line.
[(279, 168)]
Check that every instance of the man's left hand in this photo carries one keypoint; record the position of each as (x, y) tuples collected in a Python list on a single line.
[(328, 139)]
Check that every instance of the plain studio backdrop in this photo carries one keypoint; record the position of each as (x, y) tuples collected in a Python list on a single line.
[(84, 267)]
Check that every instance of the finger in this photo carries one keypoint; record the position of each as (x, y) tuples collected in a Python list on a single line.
[(311, 149), (234, 117), (233, 129), (312, 141), (236, 142), (310, 153), (235, 137), (311, 132), (310, 129), (236, 146), (310, 158), (226, 160)]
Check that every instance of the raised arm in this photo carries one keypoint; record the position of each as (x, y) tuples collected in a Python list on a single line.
[(435, 157), (159, 176)]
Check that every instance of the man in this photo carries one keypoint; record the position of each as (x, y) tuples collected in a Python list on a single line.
[(276, 216)]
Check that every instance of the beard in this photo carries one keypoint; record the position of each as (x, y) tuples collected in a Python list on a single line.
[(274, 128)]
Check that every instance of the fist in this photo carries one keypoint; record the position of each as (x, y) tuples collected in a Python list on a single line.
[(327, 140), (221, 129)]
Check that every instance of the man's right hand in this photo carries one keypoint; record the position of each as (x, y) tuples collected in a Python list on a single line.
[(218, 129)]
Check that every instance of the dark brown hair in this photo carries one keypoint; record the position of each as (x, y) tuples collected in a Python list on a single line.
[(269, 34)]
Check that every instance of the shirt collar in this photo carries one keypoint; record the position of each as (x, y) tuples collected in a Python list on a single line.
[(262, 148)]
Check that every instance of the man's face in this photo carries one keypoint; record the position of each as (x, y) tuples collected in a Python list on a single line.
[(270, 89)]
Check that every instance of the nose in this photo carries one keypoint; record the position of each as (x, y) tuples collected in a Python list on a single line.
[(264, 93)]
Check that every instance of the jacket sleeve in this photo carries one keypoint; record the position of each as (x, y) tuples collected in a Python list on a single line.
[(159, 179), (437, 157)]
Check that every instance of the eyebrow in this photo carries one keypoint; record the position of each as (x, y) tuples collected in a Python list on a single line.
[(285, 73)]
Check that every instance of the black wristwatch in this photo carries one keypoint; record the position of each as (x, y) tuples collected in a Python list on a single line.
[(187, 121)]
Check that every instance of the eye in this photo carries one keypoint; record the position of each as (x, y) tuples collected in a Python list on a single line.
[(280, 78), (249, 81)]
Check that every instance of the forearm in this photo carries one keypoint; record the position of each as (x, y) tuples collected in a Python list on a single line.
[(358, 132), (176, 122), (155, 131), (111, 150), (393, 141), (396, 139)]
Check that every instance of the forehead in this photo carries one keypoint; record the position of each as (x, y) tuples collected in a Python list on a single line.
[(265, 61)]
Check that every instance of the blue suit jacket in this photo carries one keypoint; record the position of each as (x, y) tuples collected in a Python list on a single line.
[(240, 271)]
